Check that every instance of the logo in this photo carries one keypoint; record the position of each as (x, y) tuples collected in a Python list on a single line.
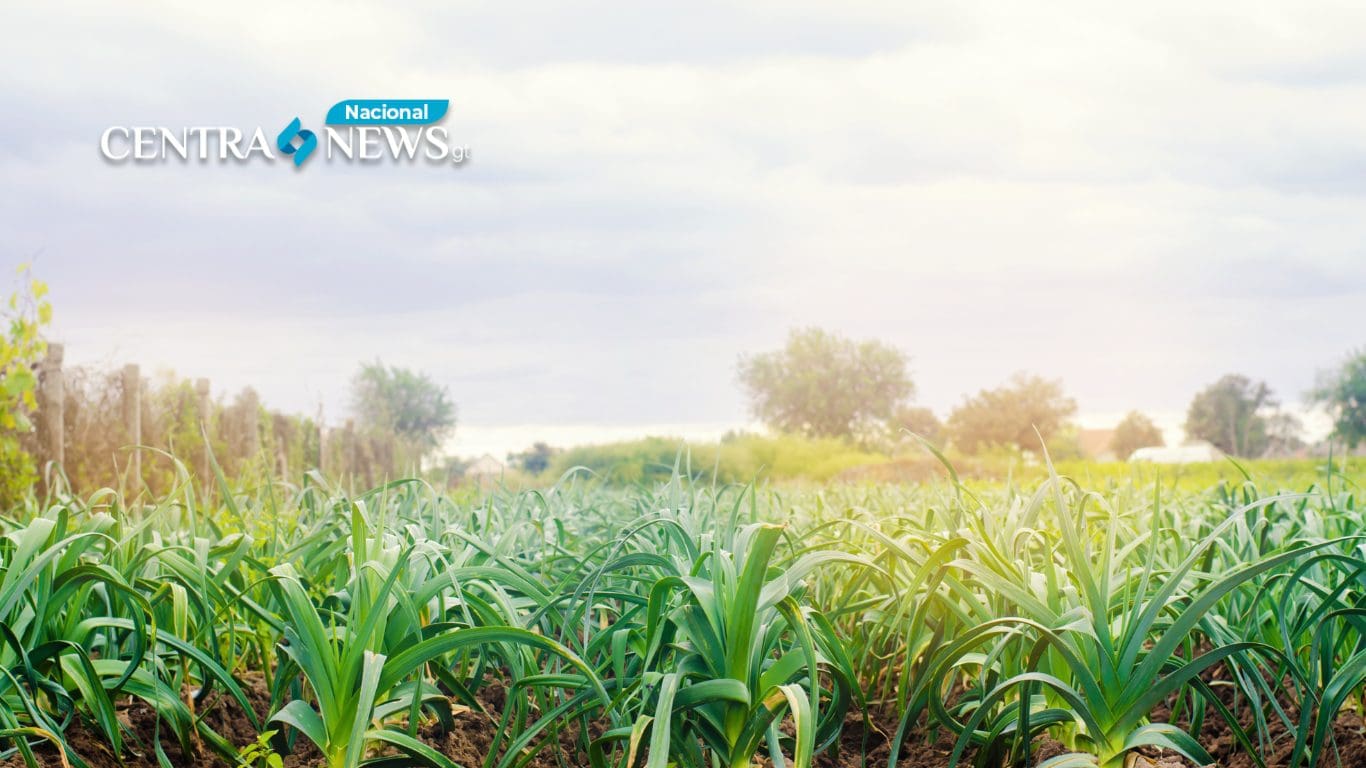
[(366, 131), (307, 142)]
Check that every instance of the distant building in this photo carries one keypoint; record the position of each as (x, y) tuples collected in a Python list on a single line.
[(1097, 444), (484, 469), (1190, 453)]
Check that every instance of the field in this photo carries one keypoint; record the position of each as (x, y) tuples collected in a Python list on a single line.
[(693, 623)]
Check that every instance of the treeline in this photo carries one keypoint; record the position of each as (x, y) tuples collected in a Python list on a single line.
[(839, 409), (822, 385), (833, 406), (742, 457)]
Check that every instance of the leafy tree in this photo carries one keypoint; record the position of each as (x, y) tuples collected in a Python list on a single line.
[(824, 385), (21, 348), (451, 469), (1283, 434), (895, 434), (1135, 431), (1010, 414), (1065, 443), (1230, 414), (405, 403), (919, 420), (1343, 393), (535, 459)]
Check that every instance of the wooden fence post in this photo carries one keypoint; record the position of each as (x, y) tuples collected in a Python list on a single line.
[(321, 466), (205, 406), (132, 419), (348, 449), (252, 406), (51, 401), (283, 433)]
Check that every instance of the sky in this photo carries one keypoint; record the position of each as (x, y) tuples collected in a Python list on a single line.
[(1136, 199)]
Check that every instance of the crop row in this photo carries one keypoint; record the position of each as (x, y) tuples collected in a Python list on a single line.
[(685, 624)]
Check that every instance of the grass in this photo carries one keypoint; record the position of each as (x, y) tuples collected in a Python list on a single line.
[(790, 459), (694, 622)]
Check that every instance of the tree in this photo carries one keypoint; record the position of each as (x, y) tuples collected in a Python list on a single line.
[(535, 459), (1010, 414), (1284, 434), (824, 385), (919, 420), (895, 434), (1230, 414), (1065, 443), (404, 403), (1135, 431), (1343, 393)]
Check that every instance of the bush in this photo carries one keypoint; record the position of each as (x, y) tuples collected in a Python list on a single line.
[(736, 459), (21, 349)]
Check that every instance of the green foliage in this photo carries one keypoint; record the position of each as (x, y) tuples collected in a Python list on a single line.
[(1230, 415), (784, 457), (824, 385), (260, 754), (407, 403), (740, 457), (534, 460), (1343, 393), (919, 421), (726, 651), (649, 460), (1179, 479), (363, 655), (1065, 443), (1018, 414), (737, 458), (1134, 431), (697, 623), (21, 350), (171, 423)]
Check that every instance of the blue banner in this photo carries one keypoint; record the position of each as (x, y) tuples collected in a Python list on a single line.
[(387, 111)]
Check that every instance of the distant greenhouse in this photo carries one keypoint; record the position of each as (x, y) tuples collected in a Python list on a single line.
[(1191, 453)]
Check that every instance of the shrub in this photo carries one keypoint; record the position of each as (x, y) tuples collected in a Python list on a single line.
[(21, 348)]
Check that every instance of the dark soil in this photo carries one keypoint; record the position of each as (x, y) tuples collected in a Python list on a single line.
[(469, 742), (222, 714)]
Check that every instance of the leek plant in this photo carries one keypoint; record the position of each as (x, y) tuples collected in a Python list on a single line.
[(729, 650), (365, 663), (686, 624)]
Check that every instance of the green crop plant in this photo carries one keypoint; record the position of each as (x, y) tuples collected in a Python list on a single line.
[(1317, 612), (364, 661), (1092, 635), (82, 625), (691, 623), (726, 649)]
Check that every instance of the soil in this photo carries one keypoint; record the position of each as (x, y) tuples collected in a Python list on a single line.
[(469, 741), (222, 714)]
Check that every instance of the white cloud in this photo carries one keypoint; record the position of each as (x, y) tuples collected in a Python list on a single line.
[(1136, 199)]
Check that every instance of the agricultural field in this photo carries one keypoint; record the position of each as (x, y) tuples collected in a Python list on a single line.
[(690, 623)]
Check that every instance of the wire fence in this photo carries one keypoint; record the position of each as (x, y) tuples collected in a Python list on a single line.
[(102, 428)]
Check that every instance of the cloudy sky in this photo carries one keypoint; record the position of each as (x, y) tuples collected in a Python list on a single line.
[(1135, 199)]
